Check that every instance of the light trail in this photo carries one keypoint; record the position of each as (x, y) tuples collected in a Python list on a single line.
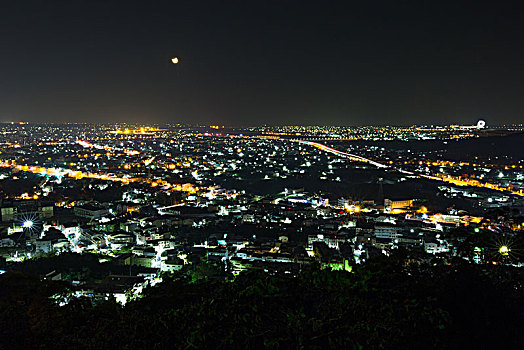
[(77, 175), (351, 156), (129, 152), (443, 178)]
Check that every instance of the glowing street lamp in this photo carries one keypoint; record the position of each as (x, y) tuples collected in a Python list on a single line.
[(504, 250), (28, 224)]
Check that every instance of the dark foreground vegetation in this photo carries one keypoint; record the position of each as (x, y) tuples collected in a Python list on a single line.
[(384, 305)]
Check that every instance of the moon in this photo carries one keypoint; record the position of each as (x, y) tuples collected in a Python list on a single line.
[(174, 60)]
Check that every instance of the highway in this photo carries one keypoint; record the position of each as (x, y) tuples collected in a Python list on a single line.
[(353, 157), (441, 177)]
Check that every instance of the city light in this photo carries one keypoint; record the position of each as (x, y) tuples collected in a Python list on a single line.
[(126, 189), (328, 175)]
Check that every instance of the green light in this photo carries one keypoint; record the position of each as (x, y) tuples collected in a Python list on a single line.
[(347, 267)]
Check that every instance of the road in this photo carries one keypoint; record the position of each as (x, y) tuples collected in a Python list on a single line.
[(440, 177)]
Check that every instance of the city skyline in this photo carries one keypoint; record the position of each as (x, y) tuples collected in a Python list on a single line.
[(185, 227), (261, 175)]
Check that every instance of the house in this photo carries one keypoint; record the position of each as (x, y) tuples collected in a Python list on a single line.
[(90, 211), (121, 240), (120, 287), (387, 230)]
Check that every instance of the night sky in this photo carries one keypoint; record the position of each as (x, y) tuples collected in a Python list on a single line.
[(262, 62)]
